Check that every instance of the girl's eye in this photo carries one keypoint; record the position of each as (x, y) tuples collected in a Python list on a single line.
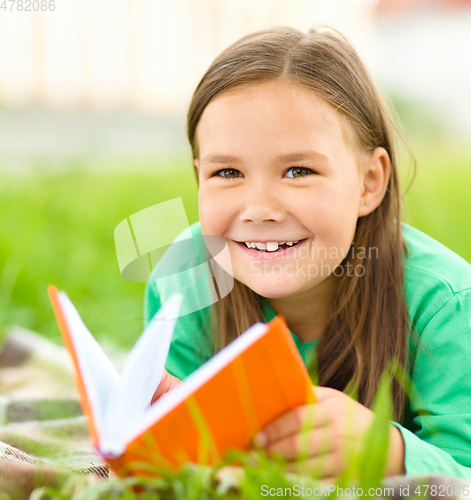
[(231, 173), (299, 171)]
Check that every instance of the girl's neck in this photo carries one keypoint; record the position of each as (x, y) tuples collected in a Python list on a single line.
[(307, 313)]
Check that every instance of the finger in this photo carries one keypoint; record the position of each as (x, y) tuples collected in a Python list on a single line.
[(300, 446), (294, 421), (323, 393)]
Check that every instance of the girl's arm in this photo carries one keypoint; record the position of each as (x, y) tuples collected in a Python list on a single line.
[(423, 458), (395, 465), (442, 394)]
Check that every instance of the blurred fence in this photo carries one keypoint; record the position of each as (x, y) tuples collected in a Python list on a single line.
[(137, 63), (139, 54)]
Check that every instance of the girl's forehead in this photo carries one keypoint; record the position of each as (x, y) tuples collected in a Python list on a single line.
[(272, 107), (274, 98), (276, 90)]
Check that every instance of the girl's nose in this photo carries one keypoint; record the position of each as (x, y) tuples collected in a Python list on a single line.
[(262, 205)]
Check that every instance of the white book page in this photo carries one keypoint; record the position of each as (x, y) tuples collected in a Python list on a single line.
[(99, 376), (196, 380), (140, 377)]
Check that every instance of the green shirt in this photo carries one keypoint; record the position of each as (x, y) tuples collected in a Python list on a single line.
[(437, 435)]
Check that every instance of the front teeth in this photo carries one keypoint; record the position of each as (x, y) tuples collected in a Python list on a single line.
[(271, 246)]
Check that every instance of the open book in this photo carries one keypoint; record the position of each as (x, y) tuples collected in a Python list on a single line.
[(221, 405)]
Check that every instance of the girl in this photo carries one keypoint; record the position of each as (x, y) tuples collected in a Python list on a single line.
[(293, 146)]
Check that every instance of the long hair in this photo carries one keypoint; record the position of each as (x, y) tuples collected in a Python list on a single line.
[(368, 321)]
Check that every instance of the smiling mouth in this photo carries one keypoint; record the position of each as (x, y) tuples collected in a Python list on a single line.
[(272, 246)]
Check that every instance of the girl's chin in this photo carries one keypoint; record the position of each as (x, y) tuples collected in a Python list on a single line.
[(271, 288)]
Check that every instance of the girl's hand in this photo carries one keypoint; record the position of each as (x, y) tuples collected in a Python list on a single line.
[(167, 383), (336, 427)]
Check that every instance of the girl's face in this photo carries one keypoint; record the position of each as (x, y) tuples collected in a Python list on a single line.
[(276, 164)]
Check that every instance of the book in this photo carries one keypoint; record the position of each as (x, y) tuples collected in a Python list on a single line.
[(252, 381)]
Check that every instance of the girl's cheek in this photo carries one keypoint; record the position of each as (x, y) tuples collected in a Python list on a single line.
[(214, 212)]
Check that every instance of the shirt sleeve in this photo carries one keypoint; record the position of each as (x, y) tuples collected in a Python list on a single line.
[(441, 394)]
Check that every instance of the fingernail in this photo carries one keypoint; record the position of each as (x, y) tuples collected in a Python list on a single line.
[(260, 439)]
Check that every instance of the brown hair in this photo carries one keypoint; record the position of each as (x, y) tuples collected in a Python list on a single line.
[(368, 320)]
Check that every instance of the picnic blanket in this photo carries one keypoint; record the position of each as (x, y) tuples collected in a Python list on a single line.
[(44, 439)]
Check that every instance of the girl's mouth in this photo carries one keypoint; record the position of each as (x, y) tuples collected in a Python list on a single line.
[(283, 251)]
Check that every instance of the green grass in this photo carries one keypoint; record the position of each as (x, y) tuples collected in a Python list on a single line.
[(59, 228), (438, 202)]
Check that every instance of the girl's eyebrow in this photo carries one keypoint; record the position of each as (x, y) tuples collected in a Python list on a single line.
[(221, 159), (303, 155), (284, 158)]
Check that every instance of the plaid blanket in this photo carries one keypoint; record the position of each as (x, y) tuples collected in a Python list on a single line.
[(44, 440), (43, 435)]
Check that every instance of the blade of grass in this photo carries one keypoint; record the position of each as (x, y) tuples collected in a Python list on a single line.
[(8, 279), (375, 450)]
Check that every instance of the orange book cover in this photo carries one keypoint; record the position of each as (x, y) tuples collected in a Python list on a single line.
[(222, 405)]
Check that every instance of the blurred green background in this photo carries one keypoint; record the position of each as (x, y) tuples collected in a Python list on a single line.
[(57, 226)]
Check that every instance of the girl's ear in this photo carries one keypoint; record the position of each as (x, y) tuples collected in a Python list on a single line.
[(197, 167), (375, 181)]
